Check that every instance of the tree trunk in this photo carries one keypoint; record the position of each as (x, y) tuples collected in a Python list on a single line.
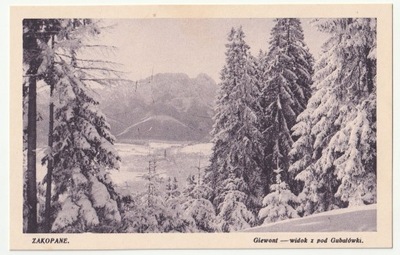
[(47, 216), (50, 162), (31, 156)]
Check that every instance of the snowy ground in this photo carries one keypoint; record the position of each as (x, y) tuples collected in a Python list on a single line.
[(173, 159), (356, 219)]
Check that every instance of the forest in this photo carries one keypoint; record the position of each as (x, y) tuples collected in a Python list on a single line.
[(292, 135)]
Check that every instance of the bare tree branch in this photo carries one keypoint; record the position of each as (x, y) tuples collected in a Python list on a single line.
[(90, 60), (110, 79), (94, 68), (99, 69), (98, 46)]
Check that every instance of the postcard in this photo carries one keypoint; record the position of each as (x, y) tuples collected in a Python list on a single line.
[(201, 127)]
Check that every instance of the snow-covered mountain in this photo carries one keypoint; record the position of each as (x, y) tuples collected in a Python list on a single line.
[(169, 106)]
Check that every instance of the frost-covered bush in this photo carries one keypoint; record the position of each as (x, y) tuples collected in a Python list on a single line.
[(196, 207), (278, 205)]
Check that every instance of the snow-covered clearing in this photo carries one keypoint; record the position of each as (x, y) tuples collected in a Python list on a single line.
[(173, 159), (355, 219), (197, 148)]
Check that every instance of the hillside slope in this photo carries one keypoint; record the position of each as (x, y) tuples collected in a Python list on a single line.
[(355, 219)]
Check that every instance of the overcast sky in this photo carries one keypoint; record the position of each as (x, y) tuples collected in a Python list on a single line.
[(190, 46)]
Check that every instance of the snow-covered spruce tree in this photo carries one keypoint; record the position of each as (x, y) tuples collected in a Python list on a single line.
[(260, 65), (301, 155), (172, 190), (196, 206), (286, 90), (82, 151), (83, 156), (151, 204), (278, 205), (335, 155), (176, 218), (237, 151), (233, 215)]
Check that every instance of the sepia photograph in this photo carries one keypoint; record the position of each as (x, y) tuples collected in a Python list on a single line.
[(273, 130)]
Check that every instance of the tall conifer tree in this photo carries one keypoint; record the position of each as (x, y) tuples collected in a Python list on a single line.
[(234, 173), (82, 153), (335, 155), (287, 80)]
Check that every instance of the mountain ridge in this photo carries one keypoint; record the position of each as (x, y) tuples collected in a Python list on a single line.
[(187, 102)]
